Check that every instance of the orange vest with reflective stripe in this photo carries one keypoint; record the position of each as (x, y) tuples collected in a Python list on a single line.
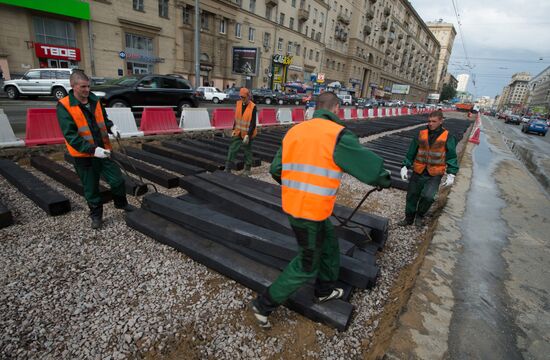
[(310, 178), (433, 156), (242, 120), (83, 130)]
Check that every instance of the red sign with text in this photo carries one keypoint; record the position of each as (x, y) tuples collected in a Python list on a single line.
[(56, 52)]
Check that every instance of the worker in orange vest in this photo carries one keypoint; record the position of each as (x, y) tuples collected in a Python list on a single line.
[(86, 129), (309, 165), (244, 131), (431, 154)]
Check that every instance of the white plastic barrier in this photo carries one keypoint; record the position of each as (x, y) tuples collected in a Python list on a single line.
[(124, 120), (399, 111), (347, 114), (309, 113), (284, 116), (195, 120), (7, 136), (360, 114), (370, 113)]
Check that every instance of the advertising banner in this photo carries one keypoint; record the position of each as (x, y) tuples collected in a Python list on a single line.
[(245, 61), (400, 89), (56, 52)]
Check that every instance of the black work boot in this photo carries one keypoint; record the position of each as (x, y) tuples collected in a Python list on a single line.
[(96, 213), (408, 220), (122, 203), (228, 167), (419, 221)]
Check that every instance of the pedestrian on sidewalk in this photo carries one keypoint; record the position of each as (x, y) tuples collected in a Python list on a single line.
[(85, 127), (430, 154), (309, 165), (244, 131)]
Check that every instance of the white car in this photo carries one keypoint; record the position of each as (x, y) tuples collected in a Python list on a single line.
[(213, 94), (345, 99), (44, 82)]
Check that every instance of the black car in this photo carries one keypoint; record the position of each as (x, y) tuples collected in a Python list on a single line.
[(363, 103), (138, 91), (265, 96), (289, 98), (513, 119)]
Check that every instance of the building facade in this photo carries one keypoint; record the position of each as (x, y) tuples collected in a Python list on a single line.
[(445, 34), (367, 47), (462, 82), (451, 80), (539, 92)]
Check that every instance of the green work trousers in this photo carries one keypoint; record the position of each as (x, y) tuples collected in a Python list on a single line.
[(421, 194), (90, 170), (236, 144), (318, 258)]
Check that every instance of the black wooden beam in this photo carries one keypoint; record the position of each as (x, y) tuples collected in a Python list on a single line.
[(6, 218), (167, 163)]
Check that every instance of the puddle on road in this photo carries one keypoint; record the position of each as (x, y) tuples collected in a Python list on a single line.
[(480, 325)]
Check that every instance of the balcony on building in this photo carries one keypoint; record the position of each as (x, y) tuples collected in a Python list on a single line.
[(391, 37), (384, 25), (303, 15), (344, 18), (271, 3), (370, 14), (381, 39), (387, 11)]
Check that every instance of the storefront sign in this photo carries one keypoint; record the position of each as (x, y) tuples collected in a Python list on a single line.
[(122, 55), (354, 81), (387, 88), (373, 85), (143, 58), (321, 78), (56, 52), (400, 89), (433, 96), (295, 68), (282, 59), (245, 61)]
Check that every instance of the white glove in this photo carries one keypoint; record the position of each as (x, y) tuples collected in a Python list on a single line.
[(246, 140), (101, 153), (115, 131), (404, 175), (450, 180)]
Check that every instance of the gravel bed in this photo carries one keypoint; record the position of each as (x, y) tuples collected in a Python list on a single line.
[(71, 292)]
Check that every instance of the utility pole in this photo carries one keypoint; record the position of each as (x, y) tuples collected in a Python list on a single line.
[(197, 45)]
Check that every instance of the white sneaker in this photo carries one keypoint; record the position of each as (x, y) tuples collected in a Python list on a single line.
[(263, 321), (337, 293)]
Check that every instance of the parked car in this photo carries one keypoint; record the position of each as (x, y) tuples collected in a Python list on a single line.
[(289, 98), (138, 91), (538, 126), (210, 93), (265, 96), (232, 94), (502, 116), (513, 119), (40, 82), (367, 103), (345, 99), (525, 119)]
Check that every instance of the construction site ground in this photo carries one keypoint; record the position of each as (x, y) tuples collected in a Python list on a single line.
[(69, 292)]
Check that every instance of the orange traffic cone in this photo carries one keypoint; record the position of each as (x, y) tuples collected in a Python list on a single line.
[(474, 138)]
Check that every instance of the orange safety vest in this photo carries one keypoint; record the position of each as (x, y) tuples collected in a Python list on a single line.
[(83, 130), (242, 120), (432, 157), (310, 177)]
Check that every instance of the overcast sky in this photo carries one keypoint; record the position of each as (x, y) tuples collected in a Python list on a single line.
[(501, 37)]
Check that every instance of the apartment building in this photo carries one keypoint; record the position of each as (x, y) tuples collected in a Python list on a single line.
[(445, 34), (539, 89), (364, 46)]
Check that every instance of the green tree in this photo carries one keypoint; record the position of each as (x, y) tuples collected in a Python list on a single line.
[(447, 93)]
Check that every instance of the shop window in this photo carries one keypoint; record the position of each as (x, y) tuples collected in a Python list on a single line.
[(138, 5), (54, 32), (163, 8)]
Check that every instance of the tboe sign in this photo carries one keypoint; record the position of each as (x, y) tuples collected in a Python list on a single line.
[(56, 52)]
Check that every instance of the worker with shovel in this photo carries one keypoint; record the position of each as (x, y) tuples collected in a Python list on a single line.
[(85, 127), (430, 154), (309, 165)]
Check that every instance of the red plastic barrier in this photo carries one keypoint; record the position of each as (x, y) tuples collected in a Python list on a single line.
[(404, 110), (297, 115), (159, 121), (223, 118), (341, 114), (268, 117), (42, 128), (354, 114), (375, 112)]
